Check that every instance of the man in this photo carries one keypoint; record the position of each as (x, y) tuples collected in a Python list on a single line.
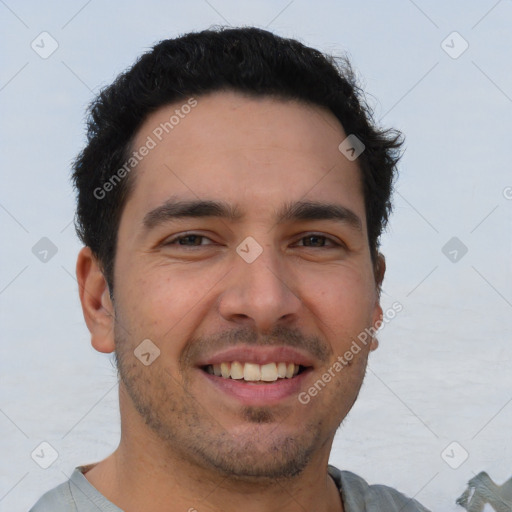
[(230, 199)]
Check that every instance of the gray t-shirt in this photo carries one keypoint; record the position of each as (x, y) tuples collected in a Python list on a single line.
[(79, 495)]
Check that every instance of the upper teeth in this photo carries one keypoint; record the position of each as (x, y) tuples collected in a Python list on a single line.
[(269, 372)]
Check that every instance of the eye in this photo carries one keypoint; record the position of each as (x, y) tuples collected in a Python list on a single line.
[(316, 240), (188, 240)]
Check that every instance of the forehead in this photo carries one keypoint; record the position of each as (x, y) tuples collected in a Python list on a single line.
[(250, 151)]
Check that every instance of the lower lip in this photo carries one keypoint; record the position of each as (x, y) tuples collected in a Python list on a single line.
[(256, 393)]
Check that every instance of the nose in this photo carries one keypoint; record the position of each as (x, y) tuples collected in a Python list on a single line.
[(260, 294)]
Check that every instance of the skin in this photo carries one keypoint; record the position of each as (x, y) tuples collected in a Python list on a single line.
[(185, 443)]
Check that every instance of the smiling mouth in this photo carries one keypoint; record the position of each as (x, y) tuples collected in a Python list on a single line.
[(255, 373)]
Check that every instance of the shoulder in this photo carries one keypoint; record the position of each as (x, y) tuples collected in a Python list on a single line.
[(75, 495), (59, 499), (358, 495)]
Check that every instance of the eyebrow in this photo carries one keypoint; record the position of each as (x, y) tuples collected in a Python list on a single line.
[(172, 209), (295, 211), (315, 210)]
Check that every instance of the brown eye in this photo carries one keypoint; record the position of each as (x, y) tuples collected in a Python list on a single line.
[(189, 240), (317, 241), (314, 241)]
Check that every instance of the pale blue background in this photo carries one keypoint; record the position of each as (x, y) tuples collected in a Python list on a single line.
[(443, 369)]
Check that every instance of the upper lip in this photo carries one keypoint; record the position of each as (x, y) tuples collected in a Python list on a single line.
[(258, 355)]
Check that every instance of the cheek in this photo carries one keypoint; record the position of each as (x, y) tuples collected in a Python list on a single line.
[(161, 302), (344, 299)]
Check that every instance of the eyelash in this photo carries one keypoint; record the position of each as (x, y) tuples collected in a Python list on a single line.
[(175, 240)]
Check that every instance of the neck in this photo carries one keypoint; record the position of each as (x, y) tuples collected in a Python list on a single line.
[(142, 475), (139, 480)]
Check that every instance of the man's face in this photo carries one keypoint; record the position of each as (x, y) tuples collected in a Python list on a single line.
[(278, 272)]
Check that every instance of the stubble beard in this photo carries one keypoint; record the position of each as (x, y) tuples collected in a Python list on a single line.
[(258, 451), (262, 446)]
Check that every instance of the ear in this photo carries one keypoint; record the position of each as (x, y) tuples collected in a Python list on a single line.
[(97, 306), (379, 270)]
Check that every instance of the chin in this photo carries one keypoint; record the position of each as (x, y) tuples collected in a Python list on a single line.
[(245, 457)]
